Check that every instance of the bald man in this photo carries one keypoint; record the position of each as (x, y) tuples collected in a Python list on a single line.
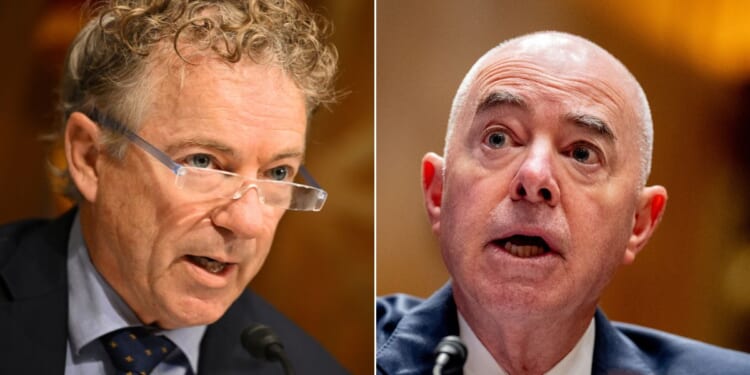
[(539, 197)]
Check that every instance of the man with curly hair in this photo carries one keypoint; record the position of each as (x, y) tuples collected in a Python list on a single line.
[(184, 127)]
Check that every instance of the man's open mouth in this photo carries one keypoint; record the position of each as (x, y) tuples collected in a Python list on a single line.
[(523, 246), (207, 264)]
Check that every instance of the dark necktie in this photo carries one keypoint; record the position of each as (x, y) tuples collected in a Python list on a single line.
[(136, 351)]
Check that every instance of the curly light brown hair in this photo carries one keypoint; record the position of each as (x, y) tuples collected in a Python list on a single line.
[(108, 65)]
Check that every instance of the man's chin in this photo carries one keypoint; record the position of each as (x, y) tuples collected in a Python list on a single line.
[(511, 299), (193, 312)]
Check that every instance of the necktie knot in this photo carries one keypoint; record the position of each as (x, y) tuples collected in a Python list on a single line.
[(135, 350)]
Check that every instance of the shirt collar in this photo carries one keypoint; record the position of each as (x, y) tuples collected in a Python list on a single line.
[(480, 361), (96, 309)]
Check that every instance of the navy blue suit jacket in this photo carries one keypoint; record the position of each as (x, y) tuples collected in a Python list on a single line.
[(408, 329), (34, 313)]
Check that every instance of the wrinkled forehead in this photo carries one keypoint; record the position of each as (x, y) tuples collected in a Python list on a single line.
[(549, 62), (558, 66)]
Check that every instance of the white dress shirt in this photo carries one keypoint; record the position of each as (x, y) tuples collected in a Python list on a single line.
[(481, 362)]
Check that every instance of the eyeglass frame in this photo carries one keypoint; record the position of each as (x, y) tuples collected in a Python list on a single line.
[(177, 168)]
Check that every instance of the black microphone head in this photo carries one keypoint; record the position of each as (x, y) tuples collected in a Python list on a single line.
[(450, 356), (260, 341), (453, 346)]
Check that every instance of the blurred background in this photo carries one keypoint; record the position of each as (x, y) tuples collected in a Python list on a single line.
[(320, 271), (693, 59)]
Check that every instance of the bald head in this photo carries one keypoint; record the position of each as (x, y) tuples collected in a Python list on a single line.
[(558, 56), (550, 139)]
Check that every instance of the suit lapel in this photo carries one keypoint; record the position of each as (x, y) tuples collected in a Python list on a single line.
[(417, 335), (34, 322), (614, 353)]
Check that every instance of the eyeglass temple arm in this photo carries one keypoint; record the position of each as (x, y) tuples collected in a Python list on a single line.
[(308, 177), (119, 128)]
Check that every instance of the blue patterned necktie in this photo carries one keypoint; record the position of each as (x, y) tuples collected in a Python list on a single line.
[(136, 351)]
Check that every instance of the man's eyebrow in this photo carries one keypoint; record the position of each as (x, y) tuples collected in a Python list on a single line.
[(500, 98), (200, 143), (593, 123), (289, 154)]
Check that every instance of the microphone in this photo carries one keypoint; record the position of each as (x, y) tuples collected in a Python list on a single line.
[(450, 356), (262, 343)]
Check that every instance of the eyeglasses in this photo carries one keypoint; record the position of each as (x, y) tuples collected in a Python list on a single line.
[(212, 183)]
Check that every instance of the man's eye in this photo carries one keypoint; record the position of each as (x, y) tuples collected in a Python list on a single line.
[(279, 173), (496, 139), (584, 154), (199, 161)]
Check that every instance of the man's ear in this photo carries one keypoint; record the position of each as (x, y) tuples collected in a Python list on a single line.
[(432, 187), (651, 205), (81, 152)]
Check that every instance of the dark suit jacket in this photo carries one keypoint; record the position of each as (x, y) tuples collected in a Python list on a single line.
[(34, 313), (408, 329)]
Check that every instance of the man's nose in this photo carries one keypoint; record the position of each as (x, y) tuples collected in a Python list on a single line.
[(535, 181), (242, 216)]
